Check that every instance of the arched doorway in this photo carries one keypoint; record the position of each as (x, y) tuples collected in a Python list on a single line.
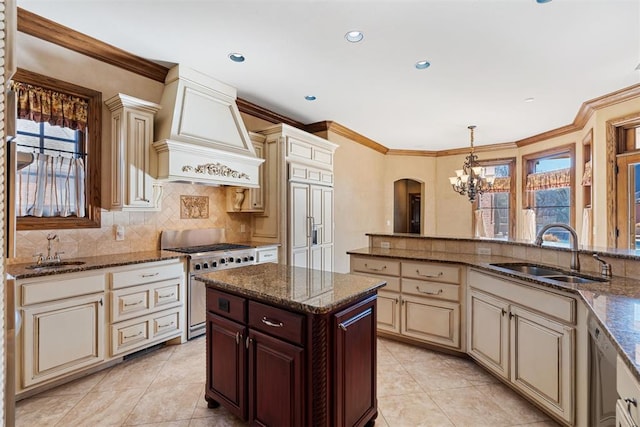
[(407, 206)]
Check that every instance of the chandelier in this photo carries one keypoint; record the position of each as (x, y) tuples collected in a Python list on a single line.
[(471, 179)]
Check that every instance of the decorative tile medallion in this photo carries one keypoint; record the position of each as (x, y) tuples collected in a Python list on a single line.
[(194, 207)]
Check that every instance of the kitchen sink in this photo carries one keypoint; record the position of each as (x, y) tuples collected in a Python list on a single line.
[(549, 273), (532, 269), (55, 264)]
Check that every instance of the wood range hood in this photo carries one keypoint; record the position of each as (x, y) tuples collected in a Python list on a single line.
[(200, 135)]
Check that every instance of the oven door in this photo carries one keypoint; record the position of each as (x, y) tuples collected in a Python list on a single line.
[(196, 308)]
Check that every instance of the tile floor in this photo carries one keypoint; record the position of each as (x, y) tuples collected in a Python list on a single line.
[(416, 387)]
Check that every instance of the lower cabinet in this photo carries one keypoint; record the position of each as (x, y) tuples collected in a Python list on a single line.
[(512, 336), (265, 365)]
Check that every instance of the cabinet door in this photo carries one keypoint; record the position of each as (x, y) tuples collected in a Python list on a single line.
[(299, 223), (355, 366), (431, 320), (389, 312), (276, 382), (542, 360), (488, 334), (63, 337), (256, 195), (139, 190), (227, 366)]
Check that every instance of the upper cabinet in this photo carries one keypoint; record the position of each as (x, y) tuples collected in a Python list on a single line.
[(241, 199), (130, 185)]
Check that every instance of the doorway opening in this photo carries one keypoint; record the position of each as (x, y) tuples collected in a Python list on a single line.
[(407, 206)]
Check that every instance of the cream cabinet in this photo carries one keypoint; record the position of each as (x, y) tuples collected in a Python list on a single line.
[(131, 187), (526, 335), (627, 410), (240, 199), (63, 326), (147, 305), (422, 300), (298, 182)]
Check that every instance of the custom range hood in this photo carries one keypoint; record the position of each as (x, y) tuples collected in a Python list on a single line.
[(200, 136)]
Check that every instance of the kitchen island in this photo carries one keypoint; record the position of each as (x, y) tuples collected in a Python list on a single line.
[(290, 346)]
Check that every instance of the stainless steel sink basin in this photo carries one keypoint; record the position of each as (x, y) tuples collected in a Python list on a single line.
[(548, 273), (532, 269), (55, 264)]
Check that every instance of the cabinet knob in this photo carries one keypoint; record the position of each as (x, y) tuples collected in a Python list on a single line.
[(504, 311)]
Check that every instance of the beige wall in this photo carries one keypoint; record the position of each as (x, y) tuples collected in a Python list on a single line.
[(142, 230)]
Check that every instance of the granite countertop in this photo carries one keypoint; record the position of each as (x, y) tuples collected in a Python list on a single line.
[(301, 289), (615, 303), (20, 271)]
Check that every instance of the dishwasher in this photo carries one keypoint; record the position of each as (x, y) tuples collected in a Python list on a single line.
[(602, 377)]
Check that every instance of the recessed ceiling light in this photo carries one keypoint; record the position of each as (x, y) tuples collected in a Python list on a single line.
[(236, 57), (543, 1), (310, 98), (638, 67), (422, 65), (354, 36), (529, 99)]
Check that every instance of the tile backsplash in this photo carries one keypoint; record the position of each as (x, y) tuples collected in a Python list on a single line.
[(141, 229)]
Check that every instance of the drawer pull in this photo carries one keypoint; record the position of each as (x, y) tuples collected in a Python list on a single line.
[(150, 275), (375, 269), (438, 292), (166, 296), (429, 275), (274, 323), (133, 303), (166, 325), (631, 401), (126, 337)]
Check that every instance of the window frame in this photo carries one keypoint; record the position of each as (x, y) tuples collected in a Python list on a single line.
[(92, 146), (511, 162), (528, 166)]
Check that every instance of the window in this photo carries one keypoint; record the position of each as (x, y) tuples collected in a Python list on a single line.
[(549, 190), (495, 209), (58, 133)]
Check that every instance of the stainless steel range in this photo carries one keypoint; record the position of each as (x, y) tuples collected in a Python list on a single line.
[(207, 251)]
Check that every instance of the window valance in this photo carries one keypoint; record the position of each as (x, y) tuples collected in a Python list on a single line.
[(547, 180), (501, 185), (43, 105)]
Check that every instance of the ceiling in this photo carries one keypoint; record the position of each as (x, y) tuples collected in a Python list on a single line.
[(487, 57)]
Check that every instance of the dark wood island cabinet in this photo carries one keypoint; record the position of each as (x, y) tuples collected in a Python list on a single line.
[(289, 346)]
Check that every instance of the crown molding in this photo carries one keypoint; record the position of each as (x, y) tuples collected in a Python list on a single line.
[(45, 29), (262, 113), (337, 128), (50, 31)]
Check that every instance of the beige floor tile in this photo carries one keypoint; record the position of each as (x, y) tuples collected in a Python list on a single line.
[(181, 423), (80, 386), (109, 408), (186, 370), (384, 357), (166, 404), (471, 371), (469, 407), (219, 418), (437, 375), (44, 411), (517, 408), (412, 411), (394, 380), (538, 424), (136, 373), (405, 353)]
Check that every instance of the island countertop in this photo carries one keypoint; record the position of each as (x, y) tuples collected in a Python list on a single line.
[(297, 288)]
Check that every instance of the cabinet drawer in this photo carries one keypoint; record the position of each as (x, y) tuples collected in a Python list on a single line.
[(267, 255), (375, 266), (164, 324), (226, 305), (393, 283), (628, 388), (431, 289), (127, 336), (276, 322), (133, 303), (431, 272), (37, 291), (146, 274), (136, 301)]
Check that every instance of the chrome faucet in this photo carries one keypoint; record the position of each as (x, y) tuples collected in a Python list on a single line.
[(575, 260), (605, 266)]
